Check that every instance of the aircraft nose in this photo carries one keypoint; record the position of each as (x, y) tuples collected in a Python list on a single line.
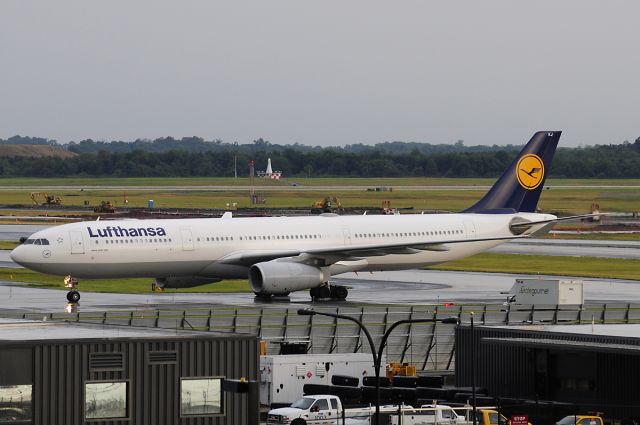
[(18, 255)]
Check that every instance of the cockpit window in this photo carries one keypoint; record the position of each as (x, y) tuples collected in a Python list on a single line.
[(36, 242)]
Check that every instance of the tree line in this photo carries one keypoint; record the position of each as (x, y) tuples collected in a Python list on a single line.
[(602, 161), (621, 161)]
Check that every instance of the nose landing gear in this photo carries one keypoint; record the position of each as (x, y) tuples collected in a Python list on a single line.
[(73, 296)]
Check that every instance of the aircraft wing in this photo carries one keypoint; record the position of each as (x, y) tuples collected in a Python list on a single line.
[(555, 220), (329, 255)]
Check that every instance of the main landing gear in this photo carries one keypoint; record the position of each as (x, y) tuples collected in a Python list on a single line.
[(329, 292), (73, 296), (261, 296)]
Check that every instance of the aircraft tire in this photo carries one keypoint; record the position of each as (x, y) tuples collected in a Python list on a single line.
[(73, 296), (339, 292), (320, 292)]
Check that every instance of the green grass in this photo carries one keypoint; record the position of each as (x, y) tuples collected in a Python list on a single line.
[(125, 286), (596, 236), (420, 193), (8, 244), (608, 268), (568, 201)]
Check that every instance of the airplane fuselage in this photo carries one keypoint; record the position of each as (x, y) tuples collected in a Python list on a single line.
[(201, 247)]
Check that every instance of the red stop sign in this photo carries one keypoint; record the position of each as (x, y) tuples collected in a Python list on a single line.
[(519, 420)]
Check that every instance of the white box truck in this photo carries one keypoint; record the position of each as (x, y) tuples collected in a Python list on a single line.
[(547, 292), (282, 377)]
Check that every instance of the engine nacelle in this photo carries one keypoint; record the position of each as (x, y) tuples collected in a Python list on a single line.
[(282, 277), (184, 281)]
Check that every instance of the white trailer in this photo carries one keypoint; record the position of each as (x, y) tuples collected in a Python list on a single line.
[(547, 292), (283, 377)]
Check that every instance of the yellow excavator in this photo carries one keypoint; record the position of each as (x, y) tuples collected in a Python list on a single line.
[(330, 204), (43, 198)]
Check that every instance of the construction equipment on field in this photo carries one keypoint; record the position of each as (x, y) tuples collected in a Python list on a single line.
[(330, 204), (105, 207), (43, 198), (400, 369)]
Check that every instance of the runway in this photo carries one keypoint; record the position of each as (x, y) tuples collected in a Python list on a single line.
[(572, 248), (414, 287), (291, 186), (13, 232)]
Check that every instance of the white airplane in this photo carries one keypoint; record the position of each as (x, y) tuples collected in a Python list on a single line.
[(284, 254)]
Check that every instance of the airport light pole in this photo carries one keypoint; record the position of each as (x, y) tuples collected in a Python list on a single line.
[(377, 358), (473, 372)]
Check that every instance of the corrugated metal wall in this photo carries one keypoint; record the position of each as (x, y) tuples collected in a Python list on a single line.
[(536, 373), (62, 369)]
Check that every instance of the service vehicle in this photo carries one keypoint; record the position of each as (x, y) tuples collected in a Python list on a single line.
[(314, 410), (547, 292), (580, 420), (283, 377), (490, 417), (434, 414)]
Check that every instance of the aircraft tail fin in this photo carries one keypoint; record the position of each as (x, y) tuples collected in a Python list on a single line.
[(520, 186)]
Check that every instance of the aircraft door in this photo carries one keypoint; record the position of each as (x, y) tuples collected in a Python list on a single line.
[(347, 236), (470, 229), (77, 243), (187, 239)]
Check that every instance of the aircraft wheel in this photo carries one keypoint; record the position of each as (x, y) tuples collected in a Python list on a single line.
[(320, 292), (339, 292), (73, 296)]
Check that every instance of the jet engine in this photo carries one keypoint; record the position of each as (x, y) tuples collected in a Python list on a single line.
[(184, 281), (281, 277)]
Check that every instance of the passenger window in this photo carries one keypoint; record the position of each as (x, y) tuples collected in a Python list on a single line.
[(321, 404), (334, 404)]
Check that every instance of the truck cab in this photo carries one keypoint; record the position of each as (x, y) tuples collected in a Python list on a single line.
[(308, 410)]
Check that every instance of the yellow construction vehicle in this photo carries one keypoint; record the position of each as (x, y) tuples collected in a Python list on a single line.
[(43, 198), (330, 204), (105, 207)]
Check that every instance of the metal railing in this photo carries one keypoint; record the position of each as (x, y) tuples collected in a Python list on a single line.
[(428, 346)]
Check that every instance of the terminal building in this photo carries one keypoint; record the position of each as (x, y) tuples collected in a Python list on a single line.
[(561, 369), (71, 373)]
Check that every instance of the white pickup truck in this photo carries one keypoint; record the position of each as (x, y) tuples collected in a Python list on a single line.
[(429, 414), (314, 410)]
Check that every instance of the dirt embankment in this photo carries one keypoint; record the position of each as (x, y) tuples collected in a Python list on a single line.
[(34, 151)]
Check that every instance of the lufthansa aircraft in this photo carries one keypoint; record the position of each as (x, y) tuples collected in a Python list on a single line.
[(284, 254)]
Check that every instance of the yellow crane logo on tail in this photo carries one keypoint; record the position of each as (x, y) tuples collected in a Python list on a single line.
[(530, 171)]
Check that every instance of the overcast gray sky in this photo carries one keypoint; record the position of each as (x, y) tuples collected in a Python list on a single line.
[(322, 72)]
